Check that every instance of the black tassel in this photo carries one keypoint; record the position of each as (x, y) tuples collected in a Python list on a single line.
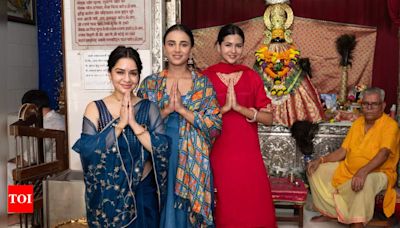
[(305, 65), (304, 132), (345, 45)]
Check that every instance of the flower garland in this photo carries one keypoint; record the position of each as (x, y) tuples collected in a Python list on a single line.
[(277, 66)]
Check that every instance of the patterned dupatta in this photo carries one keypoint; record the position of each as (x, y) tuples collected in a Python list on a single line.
[(193, 179)]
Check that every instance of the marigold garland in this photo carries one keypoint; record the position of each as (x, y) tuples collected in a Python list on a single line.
[(277, 65)]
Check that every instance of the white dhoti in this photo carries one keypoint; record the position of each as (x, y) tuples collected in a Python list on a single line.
[(342, 202)]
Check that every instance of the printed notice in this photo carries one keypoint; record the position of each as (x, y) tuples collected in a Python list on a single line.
[(95, 74), (101, 24)]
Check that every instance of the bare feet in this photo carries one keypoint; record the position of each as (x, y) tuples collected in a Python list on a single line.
[(320, 218)]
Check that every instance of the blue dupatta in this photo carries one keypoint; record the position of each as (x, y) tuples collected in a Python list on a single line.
[(113, 167)]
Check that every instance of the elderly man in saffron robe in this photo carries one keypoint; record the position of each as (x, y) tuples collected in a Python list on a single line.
[(363, 166)]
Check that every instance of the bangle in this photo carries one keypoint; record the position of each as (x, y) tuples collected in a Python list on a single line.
[(254, 116), (321, 159), (144, 130)]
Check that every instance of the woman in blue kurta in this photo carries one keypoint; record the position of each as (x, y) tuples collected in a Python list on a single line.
[(190, 110), (124, 151)]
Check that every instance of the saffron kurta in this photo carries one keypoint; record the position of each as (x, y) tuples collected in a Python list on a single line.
[(243, 189), (331, 183), (362, 148)]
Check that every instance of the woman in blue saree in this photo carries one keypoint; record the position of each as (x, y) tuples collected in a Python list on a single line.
[(190, 110), (124, 151)]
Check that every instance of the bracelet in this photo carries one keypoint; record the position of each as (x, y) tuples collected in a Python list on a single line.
[(322, 160), (141, 133), (254, 116)]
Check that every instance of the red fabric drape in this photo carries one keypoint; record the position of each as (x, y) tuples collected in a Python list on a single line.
[(206, 13), (394, 11), (382, 14)]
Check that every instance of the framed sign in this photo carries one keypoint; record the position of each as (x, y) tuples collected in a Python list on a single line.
[(108, 23), (21, 11)]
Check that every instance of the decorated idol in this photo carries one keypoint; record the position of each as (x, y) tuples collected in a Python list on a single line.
[(285, 74)]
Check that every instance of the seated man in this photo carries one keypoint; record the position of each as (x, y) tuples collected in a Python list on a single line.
[(345, 182), (51, 120)]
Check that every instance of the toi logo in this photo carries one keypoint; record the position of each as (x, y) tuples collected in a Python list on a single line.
[(20, 198)]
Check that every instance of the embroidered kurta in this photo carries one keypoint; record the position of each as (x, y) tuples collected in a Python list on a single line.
[(362, 148), (113, 168), (192, 185)]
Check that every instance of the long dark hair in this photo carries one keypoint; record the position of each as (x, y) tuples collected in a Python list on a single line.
[(229, 29), (124, 52), (180, 27), (36, 97)]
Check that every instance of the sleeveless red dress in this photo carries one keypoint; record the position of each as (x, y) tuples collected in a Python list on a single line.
[(240, 177)]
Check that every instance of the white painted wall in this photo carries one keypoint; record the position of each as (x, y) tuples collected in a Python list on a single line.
[(77, 96), (22, 63), (3, 117), (22, 69), (19, 71)]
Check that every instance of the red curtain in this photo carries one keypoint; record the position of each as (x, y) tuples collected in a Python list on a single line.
[(394, 11), (382, 14)]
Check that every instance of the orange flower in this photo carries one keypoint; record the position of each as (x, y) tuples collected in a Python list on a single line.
[(283, 72), (270, 73), (287, 61)]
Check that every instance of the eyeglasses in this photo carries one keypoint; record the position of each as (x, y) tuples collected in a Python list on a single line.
[(373, 105)]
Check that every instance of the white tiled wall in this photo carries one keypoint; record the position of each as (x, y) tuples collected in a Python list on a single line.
[(22, 63)]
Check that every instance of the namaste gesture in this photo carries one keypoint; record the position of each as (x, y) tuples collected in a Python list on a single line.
[(127, 113), (230, 102), (175, 100)]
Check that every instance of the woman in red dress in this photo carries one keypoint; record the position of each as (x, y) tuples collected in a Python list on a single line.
[(240, 178)]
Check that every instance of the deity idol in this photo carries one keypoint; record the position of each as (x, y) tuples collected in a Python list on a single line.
[(285, 74)]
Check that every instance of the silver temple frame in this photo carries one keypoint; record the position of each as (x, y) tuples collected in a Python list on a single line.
[(280, 154), (165, 14)]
